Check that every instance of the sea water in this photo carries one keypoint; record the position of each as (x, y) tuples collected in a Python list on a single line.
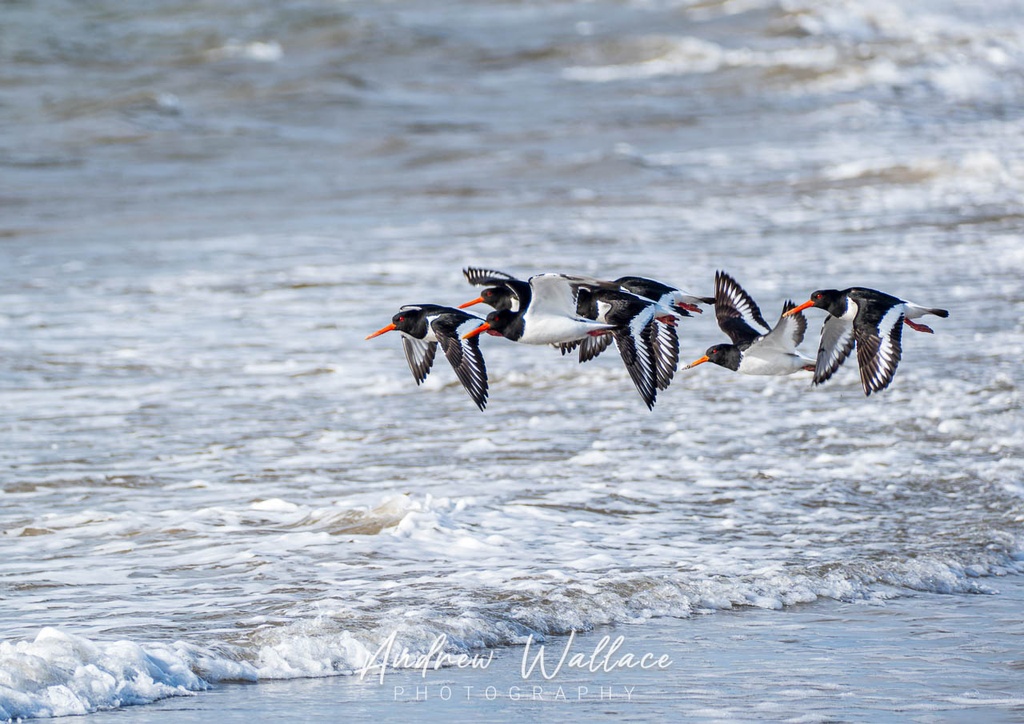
[(209, 476)]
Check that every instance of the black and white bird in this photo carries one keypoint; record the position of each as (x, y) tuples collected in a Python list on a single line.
[(503, 290), (565, 310), (424, 326), (543, 312), (669, 304), (870, 320), (629, 300), (643, 328), (754, 352), (680, 300)]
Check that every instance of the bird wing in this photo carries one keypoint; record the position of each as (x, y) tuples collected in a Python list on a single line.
[(835, 346), (879, 350), (553, 294), (637, 354), (735, 310), (788, 332), (664, 341), (420, 356), (486, 277), (593, 345), (464, 354)]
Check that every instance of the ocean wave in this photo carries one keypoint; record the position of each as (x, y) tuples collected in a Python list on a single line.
[(59, 673), (828, 48)]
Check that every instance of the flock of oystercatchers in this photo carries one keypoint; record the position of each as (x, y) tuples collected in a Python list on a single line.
[(640, 315)]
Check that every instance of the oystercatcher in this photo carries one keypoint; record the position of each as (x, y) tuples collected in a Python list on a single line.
[(638, 321), (752, 352), (543, 313), (503, 290), (670, 303), (423, 327), (552, 315), (674, 298), (870, 320), (594, 300)]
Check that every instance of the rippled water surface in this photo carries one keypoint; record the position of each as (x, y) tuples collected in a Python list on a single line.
[(207, 208)]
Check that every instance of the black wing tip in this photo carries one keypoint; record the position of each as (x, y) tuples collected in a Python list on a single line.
[(591, 347), (874, 375), (821, 378), (479, 276), (468, 362), (871, 386), (646, 385), (726, 286)]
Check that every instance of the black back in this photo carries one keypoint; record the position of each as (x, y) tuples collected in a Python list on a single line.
[(645, 287), (872, 305), (412, 318)]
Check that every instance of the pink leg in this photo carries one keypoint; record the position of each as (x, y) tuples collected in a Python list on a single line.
[(919, 327)]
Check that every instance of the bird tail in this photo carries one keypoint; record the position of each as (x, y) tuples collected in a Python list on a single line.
[(913, 311)]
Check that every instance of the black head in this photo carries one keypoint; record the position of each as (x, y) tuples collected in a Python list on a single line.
[(412, 321), (724, 355), (832, 301), (497, 297), (500, 320)]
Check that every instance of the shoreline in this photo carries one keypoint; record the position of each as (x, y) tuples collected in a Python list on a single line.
[(921, 657)]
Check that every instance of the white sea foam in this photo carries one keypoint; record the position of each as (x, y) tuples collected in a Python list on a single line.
[(58, 674)]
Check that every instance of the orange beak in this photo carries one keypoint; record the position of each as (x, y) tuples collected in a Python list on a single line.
[(802, 307), (474, 332), (380, 331), (700, 361), (478, 300)]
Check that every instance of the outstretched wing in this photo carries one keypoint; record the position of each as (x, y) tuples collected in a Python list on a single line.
[(835, 346), (553, 294), (420, 356), (634, 344), (664, 341), (735, 309), (464, 355), (879, 352), (788, 332), (592, 346), (486, 277)]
